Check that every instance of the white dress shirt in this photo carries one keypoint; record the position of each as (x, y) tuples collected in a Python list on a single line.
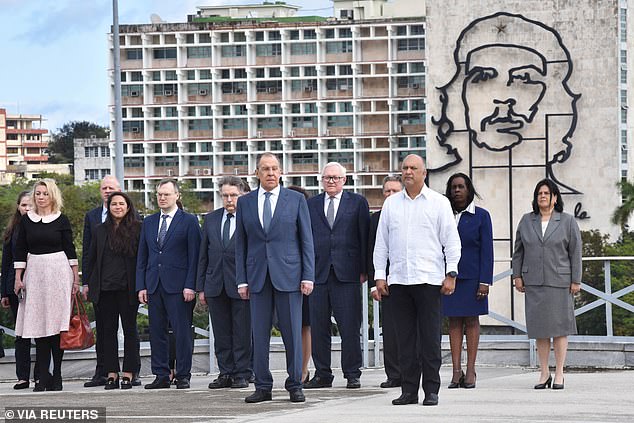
[(168, 221), (232, 224), (412, 234), (104, 213), (336, 199), (272, 199), (470, 209)]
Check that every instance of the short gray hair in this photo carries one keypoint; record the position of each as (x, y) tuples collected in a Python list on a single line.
[(233, 181), (337, 164), (166, 181), (392, 178)]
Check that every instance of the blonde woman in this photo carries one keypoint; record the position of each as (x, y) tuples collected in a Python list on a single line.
[(46, 277)]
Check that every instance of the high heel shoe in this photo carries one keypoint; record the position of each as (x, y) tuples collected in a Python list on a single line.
[(546, 384), (307, 378), (466, 385), (559, 385), (454, 385)]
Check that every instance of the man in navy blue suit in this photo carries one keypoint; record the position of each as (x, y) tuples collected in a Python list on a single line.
[(94, 218), (216, 286), (340, 223), (274, 266), (166, 281)]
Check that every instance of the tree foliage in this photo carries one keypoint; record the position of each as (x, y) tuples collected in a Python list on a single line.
[(623, 212), (61, 148)]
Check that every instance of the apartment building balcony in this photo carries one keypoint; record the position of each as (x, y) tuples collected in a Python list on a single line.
[(375, 124), (304, 168), (412, 91), (200, 134), (35, 144), (27, 131), (163, 63), (131, 172), (234, 133), (171, 98), (270, 95), (304, 132), (234, 170), (373, 50), (36, 158), (340, 130), (166, 171), (200, 98), (138, 135), (411, 129), (306, 94), (235, 97), (165, 135), (269, 133), (132, 101)]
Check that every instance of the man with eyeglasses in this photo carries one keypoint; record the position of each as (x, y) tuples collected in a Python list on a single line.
[(216, 286), (275, 265), (166, 280), (340, 223)]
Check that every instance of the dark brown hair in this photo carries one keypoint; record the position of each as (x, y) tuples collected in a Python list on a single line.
[(15, 220), (554, 190), (124, 237)]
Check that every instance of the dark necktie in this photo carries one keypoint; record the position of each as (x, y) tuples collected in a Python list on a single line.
[(330, 213), (226, 230), (163, 230), (266, 212)]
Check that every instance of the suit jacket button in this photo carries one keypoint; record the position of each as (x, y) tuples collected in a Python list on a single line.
[(160, 252), (159, 265)]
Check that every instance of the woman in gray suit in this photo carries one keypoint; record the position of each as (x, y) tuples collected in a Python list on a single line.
[(547, 267)]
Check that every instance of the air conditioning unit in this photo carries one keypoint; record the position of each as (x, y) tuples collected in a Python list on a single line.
[(415, 86), (272, 90), (135, 129), (202, 92), (238, 91), (168, 93), (206, 172), (259, 134), (134, 93), (197, 172), (343, 88), (170, 172), (292, 133)]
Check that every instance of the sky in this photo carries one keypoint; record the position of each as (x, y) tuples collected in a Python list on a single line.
[(54, 54)]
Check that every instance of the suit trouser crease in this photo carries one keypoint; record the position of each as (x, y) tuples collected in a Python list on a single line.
[(343, 301), (112, 305), (231, 322), (163, 308), (288, 306), (417, 309)]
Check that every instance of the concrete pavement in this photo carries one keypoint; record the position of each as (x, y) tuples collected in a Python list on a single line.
[(503, 394)]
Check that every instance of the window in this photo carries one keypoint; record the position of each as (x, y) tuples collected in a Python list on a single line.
[(341, 158), (232, 51), (268, 50), (164, 53), (259, 36), (339, 121), (330, 33), (239, 37), (346, 143), (305, 158), (310, 71), (224, 37), (166, 161), (310, 34), (202, 161), (105, 151), (294, 34), (204, 38), (275, 73), (167, 90), (133, 162), (275, 109), (334, 47), (191, 75), (330, 70), (201, 89), (294, 71), (137, 112), (269, 123), (304, 122), (171, 147), (417, 30), (171, 112), (345, 70), (345, 33), (205, 74), (136, 76), (276, 146), (240, 73), (170, 75), (91, 174), (134, 54), (401, 30), (235, 160), (205, 111), (200, 125), (91, 151), (189, 39), (275, 36), (166, 125), (259, 73), (417, 67), (206, 147), (234, 124), (303, 49), (234, 87), (137, 148), (131, 90), (198, 52), (411, 44)]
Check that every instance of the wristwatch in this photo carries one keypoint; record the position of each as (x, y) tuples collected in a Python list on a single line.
[(452, 274)]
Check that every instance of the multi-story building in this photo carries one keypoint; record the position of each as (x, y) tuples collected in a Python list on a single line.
[(202, 99), (92, 159), (23, 146)]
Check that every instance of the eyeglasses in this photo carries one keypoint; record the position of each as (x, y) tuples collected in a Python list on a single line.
[(334, 179), (164, 195), (225, 196)]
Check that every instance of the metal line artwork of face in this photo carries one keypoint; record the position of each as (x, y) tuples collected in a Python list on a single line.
[(510, 87)]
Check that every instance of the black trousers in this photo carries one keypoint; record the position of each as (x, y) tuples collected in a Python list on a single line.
[(22, 347), (44, 349), (112, 305), (390, 340), (99, 368), (417, 308)]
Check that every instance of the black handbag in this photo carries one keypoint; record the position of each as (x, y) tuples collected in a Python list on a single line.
[(1, 347)]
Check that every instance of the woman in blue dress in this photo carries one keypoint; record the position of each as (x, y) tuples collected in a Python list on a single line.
[(475, 274)]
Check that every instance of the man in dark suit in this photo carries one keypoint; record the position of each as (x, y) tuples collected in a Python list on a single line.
[(94, 218), (274, 266), (391, 185), (340, 222), (166, 281), (216, 286)]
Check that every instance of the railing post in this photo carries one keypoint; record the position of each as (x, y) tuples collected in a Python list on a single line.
[(375, 326), (608, 305), (365, 324), (213, 368), (532, 352)]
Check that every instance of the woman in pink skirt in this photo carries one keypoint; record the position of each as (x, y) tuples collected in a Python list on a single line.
[(46, 277)]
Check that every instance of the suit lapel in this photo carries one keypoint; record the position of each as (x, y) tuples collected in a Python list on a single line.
[(177, 218), (537, 226), (281, 204), (553, 224), (318, 204), (152, 223)]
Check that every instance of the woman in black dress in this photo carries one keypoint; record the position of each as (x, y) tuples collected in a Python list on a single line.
[(46, 277), (9, 299), (111, 280)]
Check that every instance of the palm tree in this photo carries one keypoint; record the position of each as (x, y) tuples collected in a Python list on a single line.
[(623, 212)]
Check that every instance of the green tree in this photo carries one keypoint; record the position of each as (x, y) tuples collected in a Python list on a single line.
[(61, 148), (623, 212)]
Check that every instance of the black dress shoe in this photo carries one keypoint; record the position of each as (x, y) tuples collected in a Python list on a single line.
[(223, 381), (111, 384), (405, 399), (21, 385), (136, 380), (126, 383), (96, 381), (390, 383), (317, 382), (297, 395), (431, 399), (182, 384), (546, 384), (39, 387), (258, 396), (159, 383), (239, 382), (353, 383)]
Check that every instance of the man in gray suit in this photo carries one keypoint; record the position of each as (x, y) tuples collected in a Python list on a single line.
[(216, 286)]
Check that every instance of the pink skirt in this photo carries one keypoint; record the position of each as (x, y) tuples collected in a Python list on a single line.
[(46, 307)]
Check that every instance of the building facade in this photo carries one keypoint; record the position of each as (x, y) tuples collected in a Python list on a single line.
[(202, 99), (92, 159)]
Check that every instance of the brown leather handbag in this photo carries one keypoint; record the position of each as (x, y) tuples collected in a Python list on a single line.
[(79, 335)]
